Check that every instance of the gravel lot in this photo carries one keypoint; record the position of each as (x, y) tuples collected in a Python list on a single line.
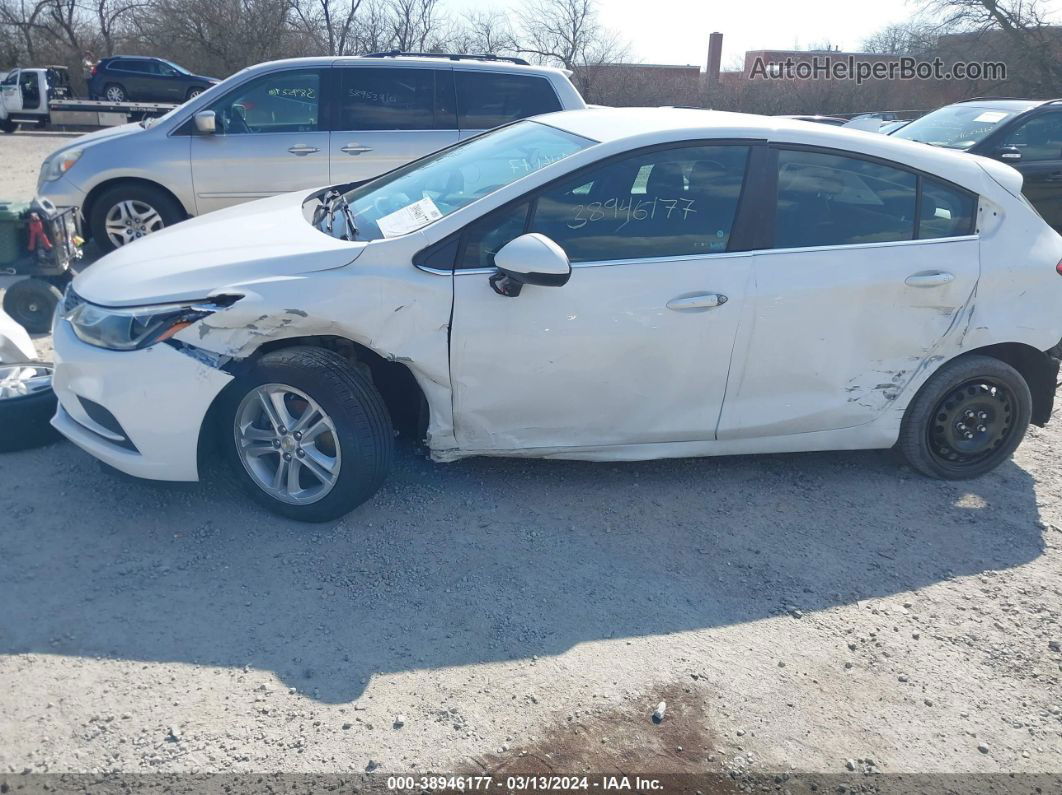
[(797, 613)]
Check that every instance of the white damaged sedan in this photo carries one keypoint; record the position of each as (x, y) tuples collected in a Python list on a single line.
[(604, 284)]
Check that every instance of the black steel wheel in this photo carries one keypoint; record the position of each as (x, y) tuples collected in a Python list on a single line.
[(31, 303), (967, 419)]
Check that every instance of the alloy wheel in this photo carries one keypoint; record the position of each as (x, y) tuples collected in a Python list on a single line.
[(971, 422), (131, 219), (287, 443), (114, 94), (22, 380)]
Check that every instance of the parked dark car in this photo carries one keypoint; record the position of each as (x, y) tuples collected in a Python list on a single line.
[(1024, 133), (124, 78)]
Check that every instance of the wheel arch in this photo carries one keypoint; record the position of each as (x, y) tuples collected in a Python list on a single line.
[(401, 392), (98, 190), (1038, 368)]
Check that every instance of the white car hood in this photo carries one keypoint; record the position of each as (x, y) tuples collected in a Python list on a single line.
[(215, 253)]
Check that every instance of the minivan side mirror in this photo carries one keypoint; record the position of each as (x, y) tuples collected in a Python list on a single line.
[(1009, 154), (205, 122), (529, 259)]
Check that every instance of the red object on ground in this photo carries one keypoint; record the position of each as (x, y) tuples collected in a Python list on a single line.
[(36, 233)]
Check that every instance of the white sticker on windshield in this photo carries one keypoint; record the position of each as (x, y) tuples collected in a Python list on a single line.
[(991, 116), (409, 219)]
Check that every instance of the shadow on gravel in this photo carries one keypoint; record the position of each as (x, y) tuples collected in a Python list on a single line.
[(478, 561)]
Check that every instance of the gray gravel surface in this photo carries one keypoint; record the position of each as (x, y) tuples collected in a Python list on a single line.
[(813, 612)]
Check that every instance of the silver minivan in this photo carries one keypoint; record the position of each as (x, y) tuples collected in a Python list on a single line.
[(288, 125)]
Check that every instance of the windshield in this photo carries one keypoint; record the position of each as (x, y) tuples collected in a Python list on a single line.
[(417, 194), (180, 69), (956, 127)]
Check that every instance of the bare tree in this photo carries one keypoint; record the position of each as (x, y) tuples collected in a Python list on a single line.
[(27, 19), (329, 23)]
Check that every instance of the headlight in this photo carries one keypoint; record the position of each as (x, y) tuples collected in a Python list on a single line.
[(58, 164), (133, 328)]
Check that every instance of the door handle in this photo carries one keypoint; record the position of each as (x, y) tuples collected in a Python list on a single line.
[(929, 279), (354, 149), (702, 301), (302, 149)]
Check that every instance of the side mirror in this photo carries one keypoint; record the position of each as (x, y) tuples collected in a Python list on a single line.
[(529, 259), (1009, 154), (205, 122)]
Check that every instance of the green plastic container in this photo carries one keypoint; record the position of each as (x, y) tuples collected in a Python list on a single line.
[(12, 231)]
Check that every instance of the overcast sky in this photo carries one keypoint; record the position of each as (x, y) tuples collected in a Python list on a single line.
[(676, 31)]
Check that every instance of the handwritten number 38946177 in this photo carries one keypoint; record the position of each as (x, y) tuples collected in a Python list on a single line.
[(646, 209)]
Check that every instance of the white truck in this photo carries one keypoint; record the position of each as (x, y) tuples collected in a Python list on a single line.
[(42, 96)]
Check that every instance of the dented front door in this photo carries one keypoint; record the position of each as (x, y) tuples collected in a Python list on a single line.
[(624, 353), (837, 332)]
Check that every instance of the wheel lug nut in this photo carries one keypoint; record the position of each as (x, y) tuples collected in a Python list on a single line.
[(298, 434), (968, 435), (300, 452), (282, 429), (287, 456), (982, 415), (276, 443), (982, 428)]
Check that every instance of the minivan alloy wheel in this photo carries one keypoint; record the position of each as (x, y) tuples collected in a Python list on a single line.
[(287, 444), (131, 219)]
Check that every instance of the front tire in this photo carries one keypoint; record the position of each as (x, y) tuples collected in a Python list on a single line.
[(8, 126), (194, 92), (306, 434), (115, 92), (967, 419), (125, 213)]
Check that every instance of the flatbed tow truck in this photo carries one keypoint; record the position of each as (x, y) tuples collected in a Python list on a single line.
[(42, 97)]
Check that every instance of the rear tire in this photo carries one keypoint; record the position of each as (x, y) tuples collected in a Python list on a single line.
[(193, 93), (31, 303), (967, 419), (115, 92), (355, 449), (143, 204)]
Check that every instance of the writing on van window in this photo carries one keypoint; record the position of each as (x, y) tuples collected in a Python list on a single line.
[(377, 97), (629, 210), (294, 91)]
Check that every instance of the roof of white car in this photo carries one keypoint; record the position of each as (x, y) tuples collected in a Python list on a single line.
[(409, 60), (644, 126)]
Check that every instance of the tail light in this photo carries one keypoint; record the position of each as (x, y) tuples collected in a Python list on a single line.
[(93, 72), (1058, 268)]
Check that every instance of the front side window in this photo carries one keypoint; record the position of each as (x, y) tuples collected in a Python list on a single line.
[(394, 99), (414, 195), (280, 102), (1040, 138), (490, 99), (660, 203), (833, 200)]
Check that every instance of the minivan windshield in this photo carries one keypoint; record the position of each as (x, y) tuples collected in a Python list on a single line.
[(413, 196), (955, 127)]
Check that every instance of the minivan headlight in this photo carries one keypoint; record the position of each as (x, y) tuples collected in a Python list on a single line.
[(59, 163), (135, 327)]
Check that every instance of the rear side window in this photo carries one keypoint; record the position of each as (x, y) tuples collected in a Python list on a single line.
[(946, 211), (395, 99), (132, 66), (490, 99), (833, 200)]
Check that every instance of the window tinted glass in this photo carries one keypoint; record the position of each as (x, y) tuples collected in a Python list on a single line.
[(142, 67), (281, 102), (1040, 138), (831, 200), (946, 212), (389, 99), (663, 203), (482, 239), (956, 126), (486, 99)]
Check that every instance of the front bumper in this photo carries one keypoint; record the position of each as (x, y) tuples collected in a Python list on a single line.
[(153, 405), (61, 192)]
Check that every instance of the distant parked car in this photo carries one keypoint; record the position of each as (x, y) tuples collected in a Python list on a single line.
[(889, 127), (1024, 133), (124, 78), (835, 121), (286, 125)]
